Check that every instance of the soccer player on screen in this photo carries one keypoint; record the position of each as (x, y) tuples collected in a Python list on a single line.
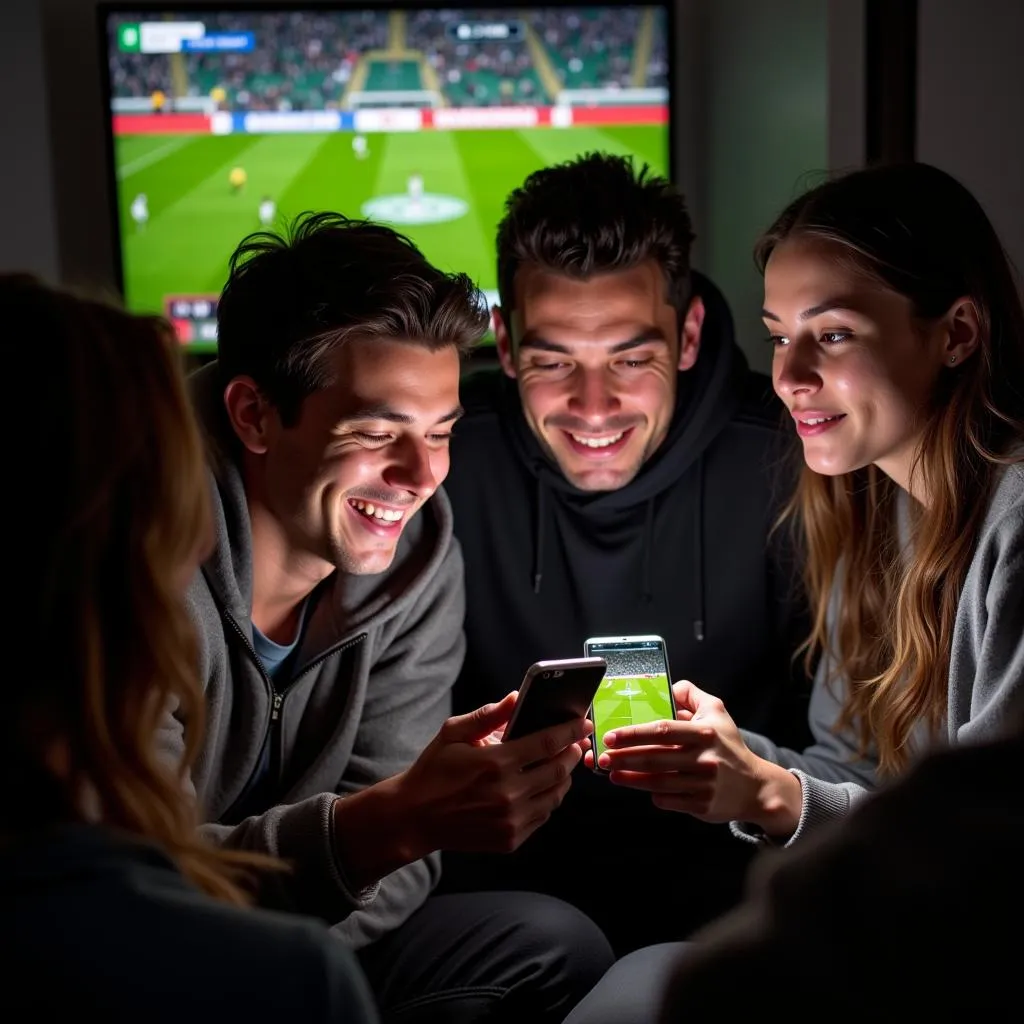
[(359, 147), (267, 211), (237, 179), (140, 210), (414, 189)]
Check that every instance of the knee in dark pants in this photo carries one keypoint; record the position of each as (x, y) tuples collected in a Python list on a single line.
[(562, 954), (506, 957)]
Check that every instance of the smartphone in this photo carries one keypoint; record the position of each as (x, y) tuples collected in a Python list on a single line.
[(636, 689), (553, 692)]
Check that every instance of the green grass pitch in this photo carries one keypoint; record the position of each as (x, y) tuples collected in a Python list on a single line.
[(630, 700), (196, 220)]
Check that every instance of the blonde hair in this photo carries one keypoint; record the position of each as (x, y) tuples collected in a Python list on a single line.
[(117, 512), (919, 232)]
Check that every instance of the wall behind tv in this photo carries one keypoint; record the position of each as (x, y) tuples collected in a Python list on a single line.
[(970, 92), (28, 237)]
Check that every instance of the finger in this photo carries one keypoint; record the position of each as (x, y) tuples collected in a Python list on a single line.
[(686, 695), (588, 758), (477, 724), (547, 801), (548, 743), (695, 700), (542, 805), (685, 760), (672, 783), (555, 771), (661, 733)]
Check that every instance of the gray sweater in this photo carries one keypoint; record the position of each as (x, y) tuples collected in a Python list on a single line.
[(370, 688), (986, 674)]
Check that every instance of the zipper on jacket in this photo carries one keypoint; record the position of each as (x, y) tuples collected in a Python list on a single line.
[(272, 732)]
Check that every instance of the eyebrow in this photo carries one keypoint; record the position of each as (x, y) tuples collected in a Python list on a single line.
[(536, 341), (823, 307), (383, 411)]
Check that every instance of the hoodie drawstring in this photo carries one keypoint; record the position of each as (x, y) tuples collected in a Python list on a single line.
[(538, 546), (698, 550), (646, 587)]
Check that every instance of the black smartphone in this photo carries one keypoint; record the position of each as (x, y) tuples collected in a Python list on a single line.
[(553, 692), (637, 687)]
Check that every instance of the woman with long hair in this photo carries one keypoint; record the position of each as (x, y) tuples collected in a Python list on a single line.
[(898, 339), (109, 899)]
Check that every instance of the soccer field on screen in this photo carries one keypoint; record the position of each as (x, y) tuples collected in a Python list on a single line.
[(630, 700), (196, 218)]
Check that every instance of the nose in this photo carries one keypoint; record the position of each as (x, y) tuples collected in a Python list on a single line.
[(794, 370), (415, 468), (593, 395)]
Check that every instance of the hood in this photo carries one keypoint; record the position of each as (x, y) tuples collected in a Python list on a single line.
[(356, 602), (707, 397)]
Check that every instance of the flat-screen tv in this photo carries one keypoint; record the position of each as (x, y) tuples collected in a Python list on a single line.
[(224, 121)]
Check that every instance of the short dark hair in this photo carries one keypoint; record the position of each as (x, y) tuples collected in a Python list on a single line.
[(592, 215), (291, 299)]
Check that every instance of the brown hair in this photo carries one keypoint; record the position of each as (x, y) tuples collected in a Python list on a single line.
[(117, 513), (592, 215), (919, 232), (291, 299)]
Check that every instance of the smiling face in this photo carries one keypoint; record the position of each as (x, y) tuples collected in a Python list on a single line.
[(596, 363), (364, 455), (851, 362)]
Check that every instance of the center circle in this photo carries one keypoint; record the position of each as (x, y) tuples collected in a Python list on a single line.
[(428, 208)]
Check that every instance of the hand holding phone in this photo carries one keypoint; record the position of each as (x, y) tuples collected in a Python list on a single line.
[(554, 692), (469, 791), (636, 689), (667, 759)]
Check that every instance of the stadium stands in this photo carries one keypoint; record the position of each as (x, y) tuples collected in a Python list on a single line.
[(591, 48), (474, 73), (327, 60)]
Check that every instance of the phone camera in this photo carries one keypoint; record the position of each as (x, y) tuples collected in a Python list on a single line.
[(546, 675)]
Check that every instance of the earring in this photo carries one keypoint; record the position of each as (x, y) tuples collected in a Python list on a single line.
[(952, 359)]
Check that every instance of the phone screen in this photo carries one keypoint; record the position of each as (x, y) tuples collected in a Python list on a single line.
[(636, 688)]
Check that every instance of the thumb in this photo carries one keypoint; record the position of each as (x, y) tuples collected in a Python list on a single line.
[(477, 724), (687, 697)]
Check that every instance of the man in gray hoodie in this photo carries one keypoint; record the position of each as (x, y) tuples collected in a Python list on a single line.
[(330, 616)]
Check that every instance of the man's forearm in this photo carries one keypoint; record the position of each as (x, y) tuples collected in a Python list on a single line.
[(375, 833)]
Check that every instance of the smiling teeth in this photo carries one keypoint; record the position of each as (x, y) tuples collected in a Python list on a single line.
[(821, 419), (368, 509), (598, 442)]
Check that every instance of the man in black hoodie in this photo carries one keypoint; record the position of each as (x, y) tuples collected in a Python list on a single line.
[(620, 473)]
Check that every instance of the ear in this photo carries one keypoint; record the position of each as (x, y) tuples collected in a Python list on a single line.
[(503, 342), (689, 336), (961, 328), (249, 412)]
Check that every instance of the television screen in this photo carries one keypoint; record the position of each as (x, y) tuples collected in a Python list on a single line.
[(224, 122)]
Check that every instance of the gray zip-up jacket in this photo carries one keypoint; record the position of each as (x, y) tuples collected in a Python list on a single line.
[(986, 674), (369, 690)]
